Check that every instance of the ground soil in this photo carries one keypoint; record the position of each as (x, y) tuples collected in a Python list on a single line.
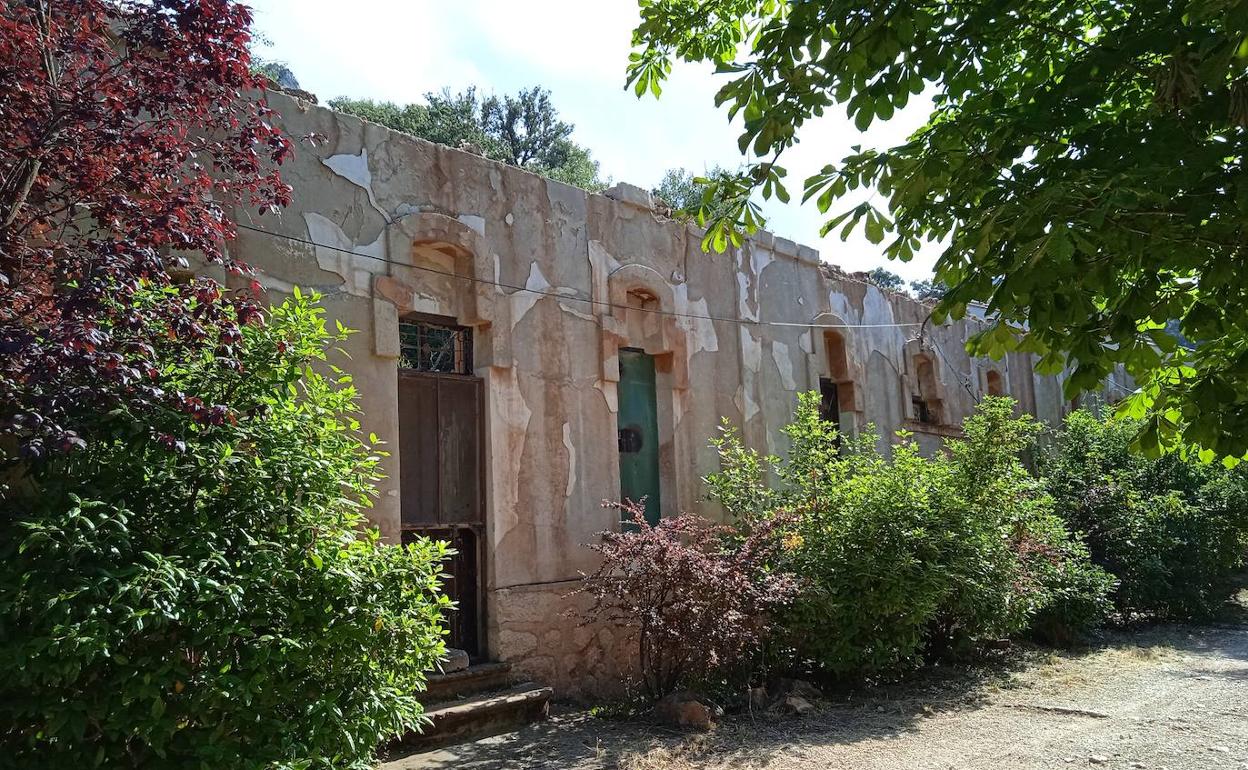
[(1163, 697)]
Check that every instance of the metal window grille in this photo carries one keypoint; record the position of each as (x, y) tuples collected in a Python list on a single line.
[(434, 347)]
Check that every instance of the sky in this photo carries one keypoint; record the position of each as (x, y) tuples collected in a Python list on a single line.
[(397, 50)]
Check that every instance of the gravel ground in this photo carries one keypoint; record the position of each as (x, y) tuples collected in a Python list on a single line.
[(1167, 697)]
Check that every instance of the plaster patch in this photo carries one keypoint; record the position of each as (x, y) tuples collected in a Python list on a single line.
[(354, 169), (601, 265), (807, 343), (567, 444), (568, 309), (699, 331), (743, 297), (511, 414), (760, 258), (780, 354), (752, 363), (336, 259), (474, 222), (608, 391), (523, 301), (839, 304)]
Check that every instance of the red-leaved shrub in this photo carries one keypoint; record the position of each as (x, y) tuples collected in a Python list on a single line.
[(698, 597)]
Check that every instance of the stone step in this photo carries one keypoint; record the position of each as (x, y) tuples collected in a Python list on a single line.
[(480, 716), (480, 678)]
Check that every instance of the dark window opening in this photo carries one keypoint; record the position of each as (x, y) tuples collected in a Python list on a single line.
[(927, 405), (829, 402), (430, 346), (996, 387), (922, 412)]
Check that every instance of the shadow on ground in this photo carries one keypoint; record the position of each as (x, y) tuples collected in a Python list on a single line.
[(1009, 678)]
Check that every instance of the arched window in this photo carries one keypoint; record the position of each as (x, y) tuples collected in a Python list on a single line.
[(928, 407), (996, 384)]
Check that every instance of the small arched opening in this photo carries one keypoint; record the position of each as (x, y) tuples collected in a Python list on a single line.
[(928, 407), (995, 383)]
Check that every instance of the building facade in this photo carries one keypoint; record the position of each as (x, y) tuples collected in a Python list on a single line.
[(527, 350)]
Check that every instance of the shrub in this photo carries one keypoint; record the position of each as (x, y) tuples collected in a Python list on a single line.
[(1172, 529), (902, 556), (698, 597), (199, 588)]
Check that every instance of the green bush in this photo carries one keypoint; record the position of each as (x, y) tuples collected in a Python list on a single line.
[(909, 556), (1172, 529), (207, 593)]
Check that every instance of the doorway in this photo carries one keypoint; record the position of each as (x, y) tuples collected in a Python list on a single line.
[(638, 433), (441, 468)]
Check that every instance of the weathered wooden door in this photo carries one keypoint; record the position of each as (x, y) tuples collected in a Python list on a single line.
[(441, 486), (638, 426)]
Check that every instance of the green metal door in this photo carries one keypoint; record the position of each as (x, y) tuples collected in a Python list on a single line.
[(639, 432)]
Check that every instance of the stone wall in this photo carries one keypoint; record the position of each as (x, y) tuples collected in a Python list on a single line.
[(553, 281)]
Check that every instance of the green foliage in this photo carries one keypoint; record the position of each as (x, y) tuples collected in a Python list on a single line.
[(199, 587), (886, 279), (1081, 168), (909, 556), (1172, 529), (522, 130), (928, 290), (689, 196)]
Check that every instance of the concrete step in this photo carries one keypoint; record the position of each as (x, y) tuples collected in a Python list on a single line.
[(479, 716), (480, 678)]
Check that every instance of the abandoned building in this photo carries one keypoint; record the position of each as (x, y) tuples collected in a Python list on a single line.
[(527, 350)]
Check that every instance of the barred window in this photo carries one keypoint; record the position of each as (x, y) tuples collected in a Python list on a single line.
[(428, 346)]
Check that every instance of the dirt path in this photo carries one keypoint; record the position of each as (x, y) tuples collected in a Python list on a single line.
[(1173, 697)]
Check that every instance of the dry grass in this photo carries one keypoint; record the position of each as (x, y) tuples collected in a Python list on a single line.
[(685, 755)]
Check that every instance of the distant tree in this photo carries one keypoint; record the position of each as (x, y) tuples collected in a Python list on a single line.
[(687, 194), (886, 279), (522, 130), (928, 290)]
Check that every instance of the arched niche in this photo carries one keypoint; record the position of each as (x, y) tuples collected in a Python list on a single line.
[(834, 358), (927, 400), (442, 267), (994, 383), (640, 302)]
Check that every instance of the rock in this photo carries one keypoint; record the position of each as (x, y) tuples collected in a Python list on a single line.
[(800, 688), (456, 660), (685, 709), (795, 705), (1097, 759)]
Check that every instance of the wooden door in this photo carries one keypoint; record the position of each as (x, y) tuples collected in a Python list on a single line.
[(441, 486)]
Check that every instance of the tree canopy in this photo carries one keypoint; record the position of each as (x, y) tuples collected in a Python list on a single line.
[(1081, 169), (522, 130), (687, 193)]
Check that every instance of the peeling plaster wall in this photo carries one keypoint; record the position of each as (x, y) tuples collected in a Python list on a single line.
[(404, 225)]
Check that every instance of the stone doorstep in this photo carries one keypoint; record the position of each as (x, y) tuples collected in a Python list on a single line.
[(481, 716), (470, 681)]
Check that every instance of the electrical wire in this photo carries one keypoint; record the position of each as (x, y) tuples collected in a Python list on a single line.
[(572, 298)]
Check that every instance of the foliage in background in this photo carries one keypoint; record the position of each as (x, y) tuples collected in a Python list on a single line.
[(886, 279), (522, 130), (909, 556), (1082, 168), (197, 586), (126, 141), (1173, 529), (689, 196), (699, 598)]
